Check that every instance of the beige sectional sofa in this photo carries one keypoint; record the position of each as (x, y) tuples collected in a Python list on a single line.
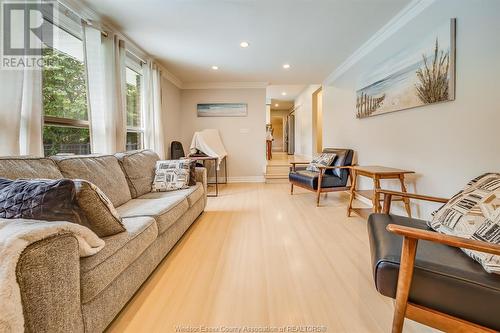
[(62, 292)]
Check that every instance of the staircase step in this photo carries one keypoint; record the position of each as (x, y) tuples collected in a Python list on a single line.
[(278, 169)]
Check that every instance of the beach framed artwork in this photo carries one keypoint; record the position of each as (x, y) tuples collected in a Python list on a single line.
[(421, 74), (222, 110)]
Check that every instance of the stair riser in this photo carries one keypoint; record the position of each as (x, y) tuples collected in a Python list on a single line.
[(277, 169)]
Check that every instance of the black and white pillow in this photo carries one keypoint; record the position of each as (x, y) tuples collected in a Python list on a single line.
[(171, 175), (474, 213), (325, 159)]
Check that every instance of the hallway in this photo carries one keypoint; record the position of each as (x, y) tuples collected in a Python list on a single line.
[(278, 167)]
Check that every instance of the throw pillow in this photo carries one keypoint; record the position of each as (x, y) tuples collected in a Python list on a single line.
[(192, 171), (101, 215), (474, 213), (171, 175), (40, 199), (325, 159)]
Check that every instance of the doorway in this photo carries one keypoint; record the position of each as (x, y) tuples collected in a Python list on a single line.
[(317, 121), (278, 133)]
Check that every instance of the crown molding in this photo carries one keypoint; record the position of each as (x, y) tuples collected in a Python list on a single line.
[(408, 13), (224, 85), (169, 76)]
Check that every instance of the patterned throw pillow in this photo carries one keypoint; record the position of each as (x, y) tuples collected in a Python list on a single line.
[(171, 175), (192, 171), (325, 159), (102, 216), (474, 213)]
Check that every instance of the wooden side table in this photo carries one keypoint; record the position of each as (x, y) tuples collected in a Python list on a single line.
[(376, 173), (203, 159)]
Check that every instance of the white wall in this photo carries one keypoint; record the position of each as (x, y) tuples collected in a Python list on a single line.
[(446, 144), (303, 121), (243, 137), (171, 106)]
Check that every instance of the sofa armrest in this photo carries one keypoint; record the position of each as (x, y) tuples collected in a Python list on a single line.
[(48, 274)]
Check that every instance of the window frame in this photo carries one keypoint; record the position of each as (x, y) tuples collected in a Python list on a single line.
[(136, 65), (63, 121)]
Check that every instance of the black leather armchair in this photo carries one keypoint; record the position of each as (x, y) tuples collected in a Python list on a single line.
[(330, 179), (432, 280)]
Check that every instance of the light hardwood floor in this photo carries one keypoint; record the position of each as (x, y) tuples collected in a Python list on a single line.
[(258, 257)]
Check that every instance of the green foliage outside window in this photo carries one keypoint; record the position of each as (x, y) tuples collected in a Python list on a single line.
[(133, 99), (65, 96)]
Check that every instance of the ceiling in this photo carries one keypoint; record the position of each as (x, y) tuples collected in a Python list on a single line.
[(190, 36), (291, 91), (281, 105)]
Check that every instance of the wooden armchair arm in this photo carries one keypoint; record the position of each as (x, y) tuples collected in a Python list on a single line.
[(407, 263), (436, 237), (389, 194), (293, 164), (334, 167)]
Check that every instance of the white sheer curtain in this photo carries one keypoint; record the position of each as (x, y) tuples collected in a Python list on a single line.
[(119, 97), (105, 61), (153, 135), (21, 112)]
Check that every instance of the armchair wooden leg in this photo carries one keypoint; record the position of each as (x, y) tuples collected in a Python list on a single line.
[(352, 191), (404, 283), (291, 189), (320, 180)]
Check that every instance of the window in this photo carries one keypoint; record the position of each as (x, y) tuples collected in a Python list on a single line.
[(64, 91), (134, 96)]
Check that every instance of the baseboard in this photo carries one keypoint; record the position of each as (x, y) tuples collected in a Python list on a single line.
[(244, 179)]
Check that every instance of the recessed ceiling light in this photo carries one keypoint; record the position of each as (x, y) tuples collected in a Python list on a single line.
[(244, 44), (215, 68), (283, 93), (276, 105), (286, 66)]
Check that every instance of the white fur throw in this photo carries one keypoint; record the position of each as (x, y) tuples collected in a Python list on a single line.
[(15, 236)]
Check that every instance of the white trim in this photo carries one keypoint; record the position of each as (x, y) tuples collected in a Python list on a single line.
[(408, 13), (245, 179), (225, 85), (169, 76)]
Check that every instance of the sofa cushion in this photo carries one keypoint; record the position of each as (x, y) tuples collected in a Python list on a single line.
[(121, 250), (165, 210), (192, 193), (103, 171), (28, 167), (98, 209), (438, 267), (310, 179), (139, 169)]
